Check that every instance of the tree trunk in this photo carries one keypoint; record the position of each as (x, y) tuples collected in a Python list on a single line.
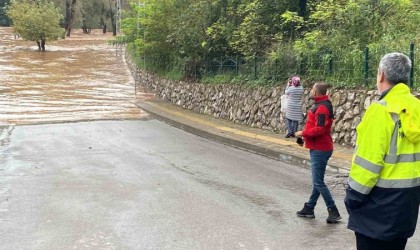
[(113, 21), (84, 27), (43, 44), (114, 24), (104, 14), (114, 29), (70, 8)]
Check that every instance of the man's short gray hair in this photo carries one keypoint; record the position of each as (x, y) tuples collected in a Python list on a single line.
[(396, 67)]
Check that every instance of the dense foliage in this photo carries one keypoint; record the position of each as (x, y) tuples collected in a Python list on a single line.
[(321, 39)]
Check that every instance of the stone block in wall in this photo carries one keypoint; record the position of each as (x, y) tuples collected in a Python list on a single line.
[(254, 109), (356, 110), (239, 113), (339, 113), (347, 138), (274, 123), (351, 96), (355, 122), (368, 101), (274, 93), (338, 125), (347, 126), (266, 111), (348, 105), (248, 115), (335, 99), (335, 136)]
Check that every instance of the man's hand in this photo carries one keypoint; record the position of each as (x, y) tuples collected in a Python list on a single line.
[(298, 133)]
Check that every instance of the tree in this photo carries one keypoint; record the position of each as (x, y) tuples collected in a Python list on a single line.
[(70, 10), (36, 21), (91, 14), (251, 37)]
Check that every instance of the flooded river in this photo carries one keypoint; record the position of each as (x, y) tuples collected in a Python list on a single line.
[(76, 79)]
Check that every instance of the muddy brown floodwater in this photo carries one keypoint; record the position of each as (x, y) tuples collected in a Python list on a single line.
[(76, 79)]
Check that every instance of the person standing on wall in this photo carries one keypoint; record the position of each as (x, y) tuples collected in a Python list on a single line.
[(317, 138), (383, 193), (294, 92)]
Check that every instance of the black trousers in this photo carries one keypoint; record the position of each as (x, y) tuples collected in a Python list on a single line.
[(366, 243)]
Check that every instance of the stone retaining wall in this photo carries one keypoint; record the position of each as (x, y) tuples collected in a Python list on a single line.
[(256, 106)]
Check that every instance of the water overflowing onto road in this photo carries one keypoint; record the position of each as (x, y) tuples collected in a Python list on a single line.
[(76, 79)]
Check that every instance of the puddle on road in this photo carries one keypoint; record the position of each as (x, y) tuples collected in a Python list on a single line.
[(76, 79)]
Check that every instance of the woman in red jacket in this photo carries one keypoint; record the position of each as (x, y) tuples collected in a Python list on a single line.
[(317, 137)]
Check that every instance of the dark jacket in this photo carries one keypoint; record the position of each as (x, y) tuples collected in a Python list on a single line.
[(384, 214), (317, 132)]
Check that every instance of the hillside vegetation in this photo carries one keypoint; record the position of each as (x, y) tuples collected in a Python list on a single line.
[(264, 42)]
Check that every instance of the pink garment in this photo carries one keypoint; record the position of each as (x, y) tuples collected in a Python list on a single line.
[(294, 81)]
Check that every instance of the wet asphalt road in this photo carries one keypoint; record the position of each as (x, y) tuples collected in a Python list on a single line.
[(145, 185)]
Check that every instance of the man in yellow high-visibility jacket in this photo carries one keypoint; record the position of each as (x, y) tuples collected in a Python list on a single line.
[(383, 194)]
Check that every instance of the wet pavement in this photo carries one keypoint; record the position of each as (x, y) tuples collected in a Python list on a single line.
[(76, 79), (146, 185)]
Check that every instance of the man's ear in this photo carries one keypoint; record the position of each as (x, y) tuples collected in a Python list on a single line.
[(381, 76)]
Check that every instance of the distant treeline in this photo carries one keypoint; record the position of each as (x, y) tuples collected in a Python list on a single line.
[(85, 14)]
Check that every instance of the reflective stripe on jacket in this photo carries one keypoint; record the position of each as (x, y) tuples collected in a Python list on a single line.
[(383, 196)]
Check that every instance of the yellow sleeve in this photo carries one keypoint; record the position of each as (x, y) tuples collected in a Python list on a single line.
[(373, 138)]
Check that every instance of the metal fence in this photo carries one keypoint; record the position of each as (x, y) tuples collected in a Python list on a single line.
[(339, 68)]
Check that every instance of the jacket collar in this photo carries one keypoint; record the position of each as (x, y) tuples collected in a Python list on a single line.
[(397, 88), (385, 93), (321, 98)]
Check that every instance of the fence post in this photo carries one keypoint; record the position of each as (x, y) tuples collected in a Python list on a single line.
[(366, 75), (330, 62), (196, 71), (412, 64), (237, 66), (221, 64), (206, 67), (302, 65), (255, 67)]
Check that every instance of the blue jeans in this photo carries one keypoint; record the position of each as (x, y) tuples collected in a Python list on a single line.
[(292, 126), (319, 161)]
